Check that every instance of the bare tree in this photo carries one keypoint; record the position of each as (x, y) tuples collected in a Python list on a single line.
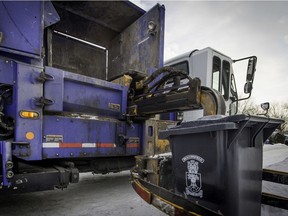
[(277, 110), (280, 110), (249, 107)]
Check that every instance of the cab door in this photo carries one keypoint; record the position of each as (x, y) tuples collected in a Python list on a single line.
[(221, 78)]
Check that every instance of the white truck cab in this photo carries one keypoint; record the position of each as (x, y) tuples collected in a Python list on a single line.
[(215, 71)]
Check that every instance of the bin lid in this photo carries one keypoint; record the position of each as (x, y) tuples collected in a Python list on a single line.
[(219, 123)]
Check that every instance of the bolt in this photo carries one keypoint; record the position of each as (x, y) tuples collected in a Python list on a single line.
[(19, 181), (9, 165), (57, 155), (9, 174), (71, 154)]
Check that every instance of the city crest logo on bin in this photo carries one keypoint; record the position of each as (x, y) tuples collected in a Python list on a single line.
[(193, 176)]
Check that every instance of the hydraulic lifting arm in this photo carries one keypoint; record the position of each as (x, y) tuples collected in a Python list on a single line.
[(153, 95)]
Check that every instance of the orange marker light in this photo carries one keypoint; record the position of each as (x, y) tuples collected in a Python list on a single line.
[(29, 114), (30, 135)]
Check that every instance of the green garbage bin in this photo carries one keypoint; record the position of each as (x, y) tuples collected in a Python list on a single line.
[(217, 161)]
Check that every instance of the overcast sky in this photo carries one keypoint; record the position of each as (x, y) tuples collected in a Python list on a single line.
[(237, 29)]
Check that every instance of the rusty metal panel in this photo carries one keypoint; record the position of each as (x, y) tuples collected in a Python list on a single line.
[(137, 48), (153, 170), (148, 168), (154, 145), (162, 145)]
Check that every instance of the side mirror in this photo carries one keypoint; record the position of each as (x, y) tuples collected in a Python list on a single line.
[(265, 106), (251, 68), (248, 87), (250, 75)]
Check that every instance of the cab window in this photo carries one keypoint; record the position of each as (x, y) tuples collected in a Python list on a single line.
[(225, 79), (216, 73), (183, 66)]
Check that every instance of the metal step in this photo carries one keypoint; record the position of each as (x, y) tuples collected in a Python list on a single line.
[(279, 177), (274, 200), (275, 176)]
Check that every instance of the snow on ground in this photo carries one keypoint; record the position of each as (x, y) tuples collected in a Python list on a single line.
[(275, 157), (98, 195), (273, 154)]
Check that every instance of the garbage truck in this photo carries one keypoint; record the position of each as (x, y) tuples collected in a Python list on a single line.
[(68, 72), (80, 86)]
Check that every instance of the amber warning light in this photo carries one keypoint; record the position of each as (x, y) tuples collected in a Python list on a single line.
[(29, 114)]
